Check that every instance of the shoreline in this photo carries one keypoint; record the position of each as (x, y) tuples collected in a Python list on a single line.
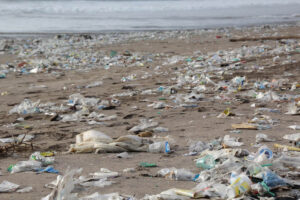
[(107, 32)]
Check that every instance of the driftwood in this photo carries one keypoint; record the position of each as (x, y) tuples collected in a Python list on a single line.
[(242, 39), (10, 148)]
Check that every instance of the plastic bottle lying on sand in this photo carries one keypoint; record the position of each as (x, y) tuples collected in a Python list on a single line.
[(176, 174), (22, 166), (159, 147)]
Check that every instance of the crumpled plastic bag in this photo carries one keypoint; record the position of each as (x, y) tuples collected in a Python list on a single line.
[(98, 142)]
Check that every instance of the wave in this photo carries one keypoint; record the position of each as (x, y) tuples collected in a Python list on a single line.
[(96, 7), (100, 15)]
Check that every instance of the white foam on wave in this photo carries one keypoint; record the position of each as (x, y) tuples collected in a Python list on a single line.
[(101, 15), (96, 7)]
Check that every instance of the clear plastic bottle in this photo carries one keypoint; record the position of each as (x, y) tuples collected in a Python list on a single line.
[(22, 166), (159, 147)]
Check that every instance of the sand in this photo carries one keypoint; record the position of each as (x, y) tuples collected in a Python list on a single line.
[(184, 124)]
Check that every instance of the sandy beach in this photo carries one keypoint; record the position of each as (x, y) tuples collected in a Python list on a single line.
[(136, 69)]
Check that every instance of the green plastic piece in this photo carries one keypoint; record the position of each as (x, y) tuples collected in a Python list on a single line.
[(145, 164), (113, 53)]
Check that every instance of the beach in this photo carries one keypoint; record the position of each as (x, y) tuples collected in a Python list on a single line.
[(133, 70)]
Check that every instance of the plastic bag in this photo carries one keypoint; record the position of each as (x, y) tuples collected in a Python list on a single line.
[(26, 107), (7, 186), (206, 162), (272, 180), (93, 136), (44, 160), (231, 141), (144, 124)]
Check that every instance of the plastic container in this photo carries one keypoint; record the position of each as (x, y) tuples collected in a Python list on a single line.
[(264, 155), (240, 185)]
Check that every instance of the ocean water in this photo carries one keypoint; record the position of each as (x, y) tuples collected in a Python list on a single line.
[(45, 16)]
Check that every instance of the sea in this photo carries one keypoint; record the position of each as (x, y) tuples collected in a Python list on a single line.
[(59, 16)]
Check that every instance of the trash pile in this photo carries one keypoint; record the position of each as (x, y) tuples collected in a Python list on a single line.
[(235, 173)]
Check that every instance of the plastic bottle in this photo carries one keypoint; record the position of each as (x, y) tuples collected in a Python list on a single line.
[(182, 175), (159, 147), (176, 174), (24, 166)]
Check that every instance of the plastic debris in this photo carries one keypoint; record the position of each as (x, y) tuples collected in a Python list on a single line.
[(295, 127), (292, 137), (7, 186), (26, 107), (48, 169), (22, 166), (25, 190), (146, 164), (260, 137), (176, 174), (231, 141)]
